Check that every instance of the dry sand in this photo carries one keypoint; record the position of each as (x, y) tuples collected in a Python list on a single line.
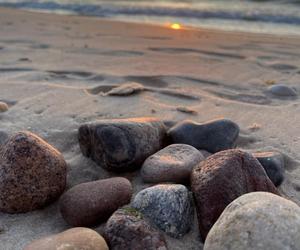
[(54, 68)]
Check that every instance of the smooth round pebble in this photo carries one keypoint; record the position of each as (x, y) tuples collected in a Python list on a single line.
[(257, 221), (282, 90), (171, 164), (220, 179), (122, 145), (93, 202), (73, 239), (126, 229), (32, 173), (273, 164), (3, 107), (168, 206), (212, 136)]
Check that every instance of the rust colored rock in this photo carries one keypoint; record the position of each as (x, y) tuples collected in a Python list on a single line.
[(93, 202), (72, 239), (222, 178), (122, 145), (32, 173), (126, 229)]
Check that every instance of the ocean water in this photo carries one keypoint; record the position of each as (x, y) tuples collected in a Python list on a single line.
[(270, 17)]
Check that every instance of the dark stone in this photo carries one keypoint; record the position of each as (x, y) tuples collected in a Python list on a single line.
[(273, 163), (32, 173), (220, 179), (168, 206), (126, 229), (93, 202), (72, 239), (122, 145), (282, 90), (171, 164), (212, 136)]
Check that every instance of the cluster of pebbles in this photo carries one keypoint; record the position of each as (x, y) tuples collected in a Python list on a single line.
[(234, 192)]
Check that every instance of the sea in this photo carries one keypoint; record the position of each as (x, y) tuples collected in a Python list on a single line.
[(269, 17)]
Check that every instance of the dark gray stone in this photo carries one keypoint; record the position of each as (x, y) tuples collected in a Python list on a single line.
[(282, 90), (126, 229), (273, 163), (212, 136), (171, 164), (32, 173), (122, 145), (257, 221), (168, 206)]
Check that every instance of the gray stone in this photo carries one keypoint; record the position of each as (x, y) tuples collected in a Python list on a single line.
[(273, 163), (212, 136), (72, 239), (124, 144), (171, 164), (93, 202), (282, 90), (168, 206), (126, 229), (32, 173), (257, 221)]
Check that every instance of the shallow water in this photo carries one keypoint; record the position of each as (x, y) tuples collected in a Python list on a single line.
[(279, 17)]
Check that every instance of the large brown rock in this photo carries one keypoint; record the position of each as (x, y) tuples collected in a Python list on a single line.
[(32, 173), (126, 229), (223, 177), (122, 145), (73, 239), (93, 202)]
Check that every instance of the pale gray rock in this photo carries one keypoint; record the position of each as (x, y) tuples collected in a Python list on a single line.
[(282, 90)]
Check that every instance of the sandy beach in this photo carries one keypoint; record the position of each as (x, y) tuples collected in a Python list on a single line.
[(54, 70)]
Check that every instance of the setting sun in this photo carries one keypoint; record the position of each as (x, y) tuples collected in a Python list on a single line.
[(176, 26)]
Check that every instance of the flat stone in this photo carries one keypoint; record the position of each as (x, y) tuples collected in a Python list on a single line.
[(126, 229), (168, 206), (220, 179), (171, 164), (282, 90), (72, 239), (124, 144), (273, 164), (93, 202), (212, 136), (257, 221), (32, 173)]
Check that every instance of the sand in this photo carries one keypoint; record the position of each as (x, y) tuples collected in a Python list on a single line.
[(55, 69)]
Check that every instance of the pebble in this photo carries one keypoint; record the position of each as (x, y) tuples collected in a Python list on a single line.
[(257, 221), (212, 136), (33, 173), (126, 229), (122, 145), (220, 179), (273, 164), (93, 202), (3, 107), (72, 239), (168, 206), (171, 164), (282, 90)]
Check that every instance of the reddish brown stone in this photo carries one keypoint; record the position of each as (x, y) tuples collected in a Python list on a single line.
[(222, 178), (32, 173), (93, 202)]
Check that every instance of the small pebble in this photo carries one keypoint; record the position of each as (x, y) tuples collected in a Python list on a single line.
[(168, 206), (3, 107), (282, 90)]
